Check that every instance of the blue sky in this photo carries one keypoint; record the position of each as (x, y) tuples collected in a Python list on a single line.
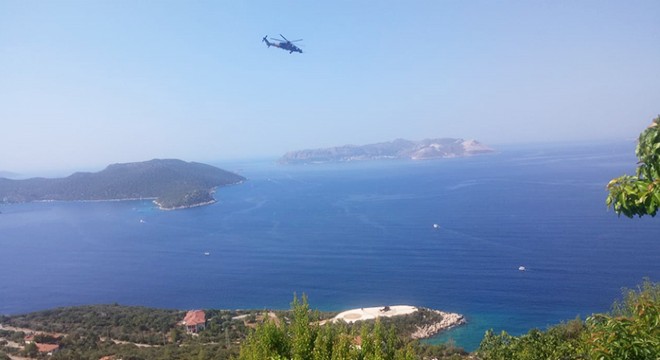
[(88, 83)]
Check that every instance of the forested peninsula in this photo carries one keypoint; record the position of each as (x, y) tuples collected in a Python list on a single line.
[(113, 332), (171, 183), (133, 332)]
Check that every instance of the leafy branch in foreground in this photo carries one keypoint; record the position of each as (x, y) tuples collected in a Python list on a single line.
[(640, 194), (631, 331)]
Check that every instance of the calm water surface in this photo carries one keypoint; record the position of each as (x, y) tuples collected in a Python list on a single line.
[(353, 235)]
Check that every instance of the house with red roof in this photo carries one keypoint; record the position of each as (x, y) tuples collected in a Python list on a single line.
[(194, 321), (48, 349)]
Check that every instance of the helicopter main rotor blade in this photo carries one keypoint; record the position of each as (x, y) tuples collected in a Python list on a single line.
[(295, 40), (284, 37), (276, 39)]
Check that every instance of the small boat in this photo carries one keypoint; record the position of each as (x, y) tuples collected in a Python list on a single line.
[(435, 226), (207, 253), (521, 268), (142, 221)]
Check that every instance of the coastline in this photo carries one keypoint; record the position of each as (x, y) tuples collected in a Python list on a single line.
[(449, 320), (160, 207), (206, 199), (422, 330), (154, 200), (91, 200)]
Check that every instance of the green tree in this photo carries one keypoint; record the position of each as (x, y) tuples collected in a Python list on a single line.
[(496, 347), (407, 353), (343, 347), (31, 350), (632, 330), (303, 329), (303, 338), (640, 194), (175, 334), (268, 341), (323, 343)]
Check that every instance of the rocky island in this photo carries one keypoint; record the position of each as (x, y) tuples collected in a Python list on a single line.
[(397, 149), (172, 184)]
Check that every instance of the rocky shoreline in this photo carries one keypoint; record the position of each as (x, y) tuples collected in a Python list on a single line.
[(427, 323), (161, 207), (449, 320)]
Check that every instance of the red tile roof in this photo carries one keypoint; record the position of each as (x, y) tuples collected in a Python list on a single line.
[(44, 348), (195, 317)]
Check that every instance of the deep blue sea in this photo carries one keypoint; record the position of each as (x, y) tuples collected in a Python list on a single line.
[(353, 235)]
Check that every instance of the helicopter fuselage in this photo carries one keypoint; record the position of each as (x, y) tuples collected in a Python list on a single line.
[(289, 46), (284, 45)]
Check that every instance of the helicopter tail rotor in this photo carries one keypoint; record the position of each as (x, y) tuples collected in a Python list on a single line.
[(265, 39)]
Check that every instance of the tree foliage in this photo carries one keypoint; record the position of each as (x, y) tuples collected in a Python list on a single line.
[(126, 323), (631, 331), (640, 194), (302, 337)]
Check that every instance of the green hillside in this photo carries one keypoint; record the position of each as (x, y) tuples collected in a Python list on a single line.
[(171, 183)]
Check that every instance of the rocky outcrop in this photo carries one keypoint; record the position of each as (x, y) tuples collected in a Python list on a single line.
[(449, 320)]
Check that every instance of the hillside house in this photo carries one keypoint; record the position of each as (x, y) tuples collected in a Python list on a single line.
[(194, 321), (47, 349)]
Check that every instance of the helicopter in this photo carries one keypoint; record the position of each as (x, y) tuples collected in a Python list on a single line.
[(283, 44)]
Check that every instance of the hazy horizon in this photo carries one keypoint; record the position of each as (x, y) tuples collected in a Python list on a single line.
[(236, 164), (86, 84)]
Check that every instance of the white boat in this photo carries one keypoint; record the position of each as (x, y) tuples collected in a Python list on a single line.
[(435, 226), (207, 253), (521, 268)]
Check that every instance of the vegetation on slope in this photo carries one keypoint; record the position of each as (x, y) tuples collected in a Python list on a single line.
[(91, 332), (173, 183), (302, 337), (126, 323), (130, 332), (630, 331)]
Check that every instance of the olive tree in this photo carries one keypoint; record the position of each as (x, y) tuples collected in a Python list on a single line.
[(640, 194)]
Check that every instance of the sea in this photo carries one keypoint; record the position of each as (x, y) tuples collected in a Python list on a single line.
[(447, 234)]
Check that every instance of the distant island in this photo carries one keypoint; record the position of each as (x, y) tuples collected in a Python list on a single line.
[(397, 149), (172, 184)]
